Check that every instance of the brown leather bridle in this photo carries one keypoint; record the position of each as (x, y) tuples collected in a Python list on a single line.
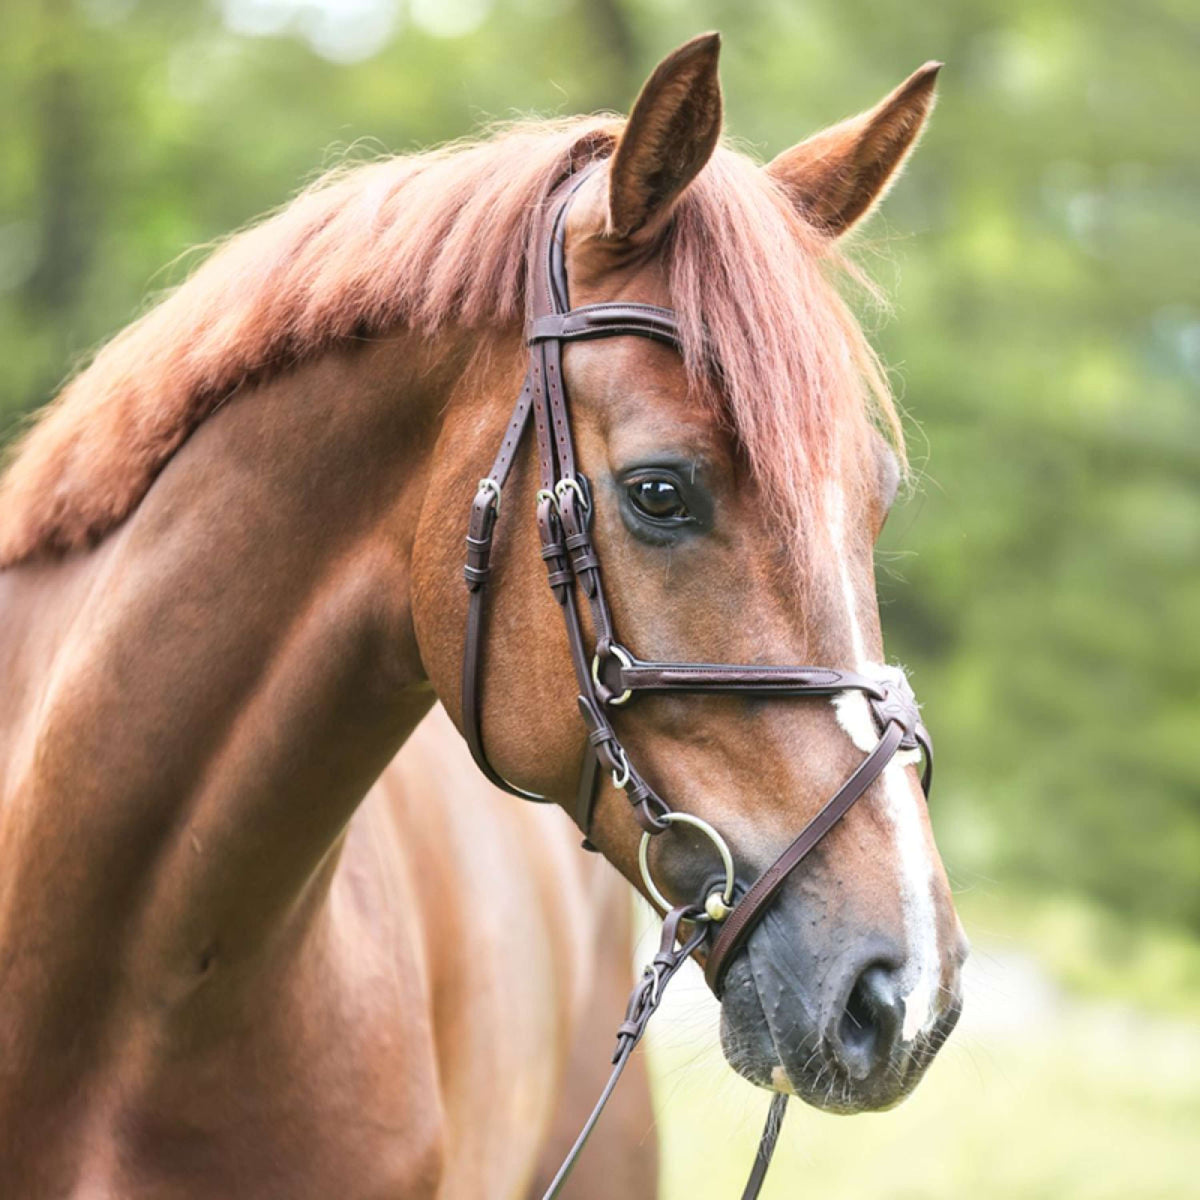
[(610, 675)]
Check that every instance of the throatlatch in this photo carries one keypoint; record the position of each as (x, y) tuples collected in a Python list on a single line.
[(609, 675)]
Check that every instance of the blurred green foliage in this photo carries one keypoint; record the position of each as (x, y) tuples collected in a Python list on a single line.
[(1042, 254)]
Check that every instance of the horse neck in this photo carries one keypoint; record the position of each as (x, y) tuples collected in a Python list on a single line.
[(235, 666)]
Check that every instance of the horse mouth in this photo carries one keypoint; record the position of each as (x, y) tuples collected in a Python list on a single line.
[(775, 1043)]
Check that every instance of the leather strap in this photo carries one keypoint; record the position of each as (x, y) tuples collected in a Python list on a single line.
[(749, 909), (609, 319), (485, 508), (749, 680), (643, 1003), (608, 675), (637, 675), (646, 997), (766, 1145)]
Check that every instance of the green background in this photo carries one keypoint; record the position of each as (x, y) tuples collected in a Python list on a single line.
[(1043, 257)]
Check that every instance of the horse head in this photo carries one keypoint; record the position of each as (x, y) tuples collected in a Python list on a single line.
[(737, 474)]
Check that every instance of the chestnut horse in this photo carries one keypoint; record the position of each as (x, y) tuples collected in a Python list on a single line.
[(232, 588)]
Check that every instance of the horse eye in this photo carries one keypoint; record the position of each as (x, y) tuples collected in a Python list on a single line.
[(658, 499)]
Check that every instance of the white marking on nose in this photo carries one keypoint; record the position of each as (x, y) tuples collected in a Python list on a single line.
[(918, 1008), (780, 1081), (922, 970)]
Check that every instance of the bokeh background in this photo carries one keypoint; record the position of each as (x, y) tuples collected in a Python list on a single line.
[(1043, 258)]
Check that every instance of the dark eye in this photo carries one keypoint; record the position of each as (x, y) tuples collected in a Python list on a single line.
[(659, 499)]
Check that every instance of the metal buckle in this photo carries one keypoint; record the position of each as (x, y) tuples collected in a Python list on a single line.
[(724, 896), (620, 777), (491, 488), (571, 485), (625, 659)]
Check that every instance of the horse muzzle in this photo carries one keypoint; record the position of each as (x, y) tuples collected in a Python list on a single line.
[(845, 1033)]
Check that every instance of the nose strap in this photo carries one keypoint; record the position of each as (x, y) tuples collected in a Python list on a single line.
[(621, 671), (894, 701), (893, 706), (750, 908), (897, 703)]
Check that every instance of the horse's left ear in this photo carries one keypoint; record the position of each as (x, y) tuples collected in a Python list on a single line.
[(671, 133), (837, 176)]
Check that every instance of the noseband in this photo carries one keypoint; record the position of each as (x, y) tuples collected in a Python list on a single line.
[(609, 675)]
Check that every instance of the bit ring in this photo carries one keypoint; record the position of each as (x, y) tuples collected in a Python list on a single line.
[(724, 895)]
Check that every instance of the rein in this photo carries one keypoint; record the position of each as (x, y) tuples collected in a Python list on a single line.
[(609, 675)]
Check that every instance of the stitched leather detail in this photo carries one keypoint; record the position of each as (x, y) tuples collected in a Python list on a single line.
[(607, 320)]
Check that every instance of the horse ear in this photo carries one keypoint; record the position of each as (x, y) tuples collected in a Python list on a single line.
[(837, 176), (670, 135)]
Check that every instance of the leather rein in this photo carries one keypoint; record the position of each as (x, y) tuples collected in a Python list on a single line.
[(609, 675)]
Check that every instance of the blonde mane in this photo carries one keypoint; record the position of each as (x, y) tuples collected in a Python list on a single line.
[(439, 238)]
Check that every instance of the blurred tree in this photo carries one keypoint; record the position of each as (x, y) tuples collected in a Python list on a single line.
[(1042, 254)]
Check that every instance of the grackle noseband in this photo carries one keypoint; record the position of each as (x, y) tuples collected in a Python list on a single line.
[(610, 675)]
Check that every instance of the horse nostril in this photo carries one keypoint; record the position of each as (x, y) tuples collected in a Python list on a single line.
[(869, 1026)]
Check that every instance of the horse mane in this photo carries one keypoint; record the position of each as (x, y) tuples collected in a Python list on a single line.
[(431, 239)]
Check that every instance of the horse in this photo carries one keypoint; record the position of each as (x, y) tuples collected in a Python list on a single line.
[(240, 953)]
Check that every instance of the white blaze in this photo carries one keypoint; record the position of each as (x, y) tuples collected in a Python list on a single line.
[(901, 805)]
